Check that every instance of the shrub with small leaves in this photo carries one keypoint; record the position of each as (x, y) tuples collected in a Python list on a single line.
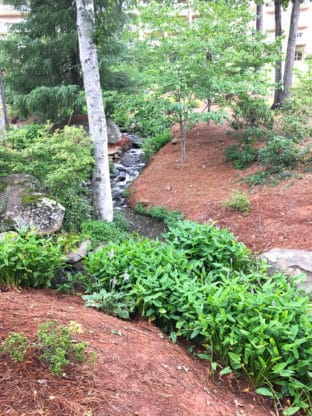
[(238, 202), (279, 153), (58, 346), (16, 345)]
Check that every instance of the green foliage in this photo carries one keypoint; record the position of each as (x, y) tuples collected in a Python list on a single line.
[(238, 202), (241, 155), (100, 232), (211, 247), (28, 260), (41, 58), (278, 154), (56, 343), (258, 178), (251, 111), (151, 145), (61, 160), (159, 213), (292, 121), (59, 347), (16, 345), (302, 89), (203, 285), (112, 302)]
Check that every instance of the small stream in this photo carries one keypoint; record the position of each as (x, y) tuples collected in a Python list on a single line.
[(125, 171)]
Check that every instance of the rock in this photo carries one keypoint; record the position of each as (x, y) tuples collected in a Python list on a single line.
[(22, 204), (132, 157), (174, 141), (79, 254), (292, 263), (135, 140), (113, 132)]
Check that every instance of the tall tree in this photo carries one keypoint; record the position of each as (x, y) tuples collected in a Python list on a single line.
[(278, 63), (4, 121), (291, 50), (102, 196), (41, 59), (283, 83)]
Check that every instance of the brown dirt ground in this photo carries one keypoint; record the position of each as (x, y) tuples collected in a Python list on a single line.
[(139, 372), (280, 216)]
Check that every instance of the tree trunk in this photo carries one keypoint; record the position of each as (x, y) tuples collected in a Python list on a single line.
[(278, 64), (291, 50), (4, 121), (182, 137), (259, 21), (102, 195)]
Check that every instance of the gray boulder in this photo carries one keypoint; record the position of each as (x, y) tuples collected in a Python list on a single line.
[(22, 204), (292, 263), (113, 132)]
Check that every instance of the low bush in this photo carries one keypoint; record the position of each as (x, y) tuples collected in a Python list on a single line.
[(55, 342), (279, 153), (152, 144), (159, 213), (29, 260), (100, 232), (241, 155), (209, 246), (237, 202)]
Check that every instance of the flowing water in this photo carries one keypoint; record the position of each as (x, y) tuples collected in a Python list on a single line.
[(125, 171)]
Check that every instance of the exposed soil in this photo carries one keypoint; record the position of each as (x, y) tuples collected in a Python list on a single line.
[(139, 372), (280, 216)]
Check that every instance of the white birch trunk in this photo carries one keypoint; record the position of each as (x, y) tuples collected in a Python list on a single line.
[(4, 122), (102, 195)]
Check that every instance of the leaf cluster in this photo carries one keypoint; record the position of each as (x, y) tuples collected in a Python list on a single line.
[(28, 260)]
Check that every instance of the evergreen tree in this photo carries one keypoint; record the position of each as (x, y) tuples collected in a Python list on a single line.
[(41, 56)]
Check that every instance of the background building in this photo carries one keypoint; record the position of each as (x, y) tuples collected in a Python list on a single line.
[(304, 35), (8, 16)]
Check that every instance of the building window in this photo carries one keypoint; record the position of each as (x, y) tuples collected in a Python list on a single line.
[(299, 54)]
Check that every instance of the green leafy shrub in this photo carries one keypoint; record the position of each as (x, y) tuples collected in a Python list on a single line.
[(28, 260), (278, 154), (238, 202), (258, 178), (16, 345), (293, 121), (102, 231), (212, 247), (241, 155), (58, 346), (112, 302), (152, 144), (251, 112), (24, 136)]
